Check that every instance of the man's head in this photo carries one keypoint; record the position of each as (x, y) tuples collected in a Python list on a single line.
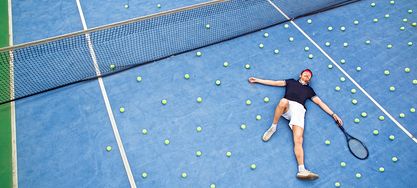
[(306, 75)]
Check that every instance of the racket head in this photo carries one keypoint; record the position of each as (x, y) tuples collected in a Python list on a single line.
[(357, 148)]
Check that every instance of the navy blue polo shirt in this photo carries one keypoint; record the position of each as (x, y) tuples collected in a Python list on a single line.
[(298, 92)]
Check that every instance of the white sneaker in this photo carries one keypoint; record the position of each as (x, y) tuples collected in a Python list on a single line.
[(269, 133), (307, 175)]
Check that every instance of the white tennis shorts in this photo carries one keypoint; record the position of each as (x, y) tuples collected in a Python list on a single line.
[(295, 114)]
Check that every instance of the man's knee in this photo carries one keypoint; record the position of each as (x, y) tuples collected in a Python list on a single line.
[(283, 103)]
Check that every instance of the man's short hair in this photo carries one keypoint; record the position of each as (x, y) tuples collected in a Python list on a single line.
[(308, 70)]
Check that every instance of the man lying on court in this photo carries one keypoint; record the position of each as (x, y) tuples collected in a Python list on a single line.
[(292, 108)]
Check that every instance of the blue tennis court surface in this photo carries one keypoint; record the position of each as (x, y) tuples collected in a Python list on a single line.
[(62, 134)]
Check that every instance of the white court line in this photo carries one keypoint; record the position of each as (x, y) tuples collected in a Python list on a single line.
[(346, 74), (106, 101), (12, 104)]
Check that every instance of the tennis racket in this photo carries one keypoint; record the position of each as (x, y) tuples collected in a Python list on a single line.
[(356, 147)]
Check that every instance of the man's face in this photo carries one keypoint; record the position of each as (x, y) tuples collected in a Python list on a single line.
[(305, 76)]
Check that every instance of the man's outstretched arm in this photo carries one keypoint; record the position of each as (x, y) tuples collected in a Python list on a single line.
[(267, 82), (325, 108)]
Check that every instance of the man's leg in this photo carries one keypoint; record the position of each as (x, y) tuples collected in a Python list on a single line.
[(299, 154), (281, 108), (298, 144)]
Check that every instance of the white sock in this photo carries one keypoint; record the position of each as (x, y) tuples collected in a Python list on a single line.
[(301, 168), (274, 125)]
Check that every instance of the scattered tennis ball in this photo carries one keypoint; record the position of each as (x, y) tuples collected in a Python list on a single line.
[(144, 175), (382, 118), (410, 43), (122, 109), (337, 88), (414, 24), (306, 48), (402, 28), (198, 153), (261, 45), (199, 129), (391, 137), (310, 56), (375, 20), (394, 159), (207, 26), (126, 6), (342, 164), (342, 28), (375, 132), (358, 175), (112, 66), (330, 66), (327, 44), (276, 51), (184, 175), (337, 184), (266, 99), (286, 26), (144, 131), (358, 69), (345, 44), (356, 120), (108, 148), (364, 114), (342, 79), (392, 88), (228, 154), (381, 169), (247, 66), (266, 35), (327, 142), (410, 11), (243, 126), (291, 39), (386, 72), (415, 82), (386, 16), (342, 61), (218, 82), (248, 102), (187, 76), (354, 101), (253, 166), (199, 99), (158, 5), (166, 142), (367, 42), (412, 110), (402, 115), (199, 54), (330, 28), (138, 78), (212, 185), (353, 91), (389, 46), (392, 2), (373, 4), (164, 101), (309, 21), (258, 117), (356, 22), (225, 64), (407, 70), (405, 20)]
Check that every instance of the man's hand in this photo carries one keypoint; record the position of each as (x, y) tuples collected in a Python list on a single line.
[(252, 80), (338, 120)]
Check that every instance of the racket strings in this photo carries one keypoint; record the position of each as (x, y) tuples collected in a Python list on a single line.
[(358, 149)]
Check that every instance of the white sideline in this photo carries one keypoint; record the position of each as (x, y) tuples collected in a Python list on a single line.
[(346, 74), (106, 101)]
